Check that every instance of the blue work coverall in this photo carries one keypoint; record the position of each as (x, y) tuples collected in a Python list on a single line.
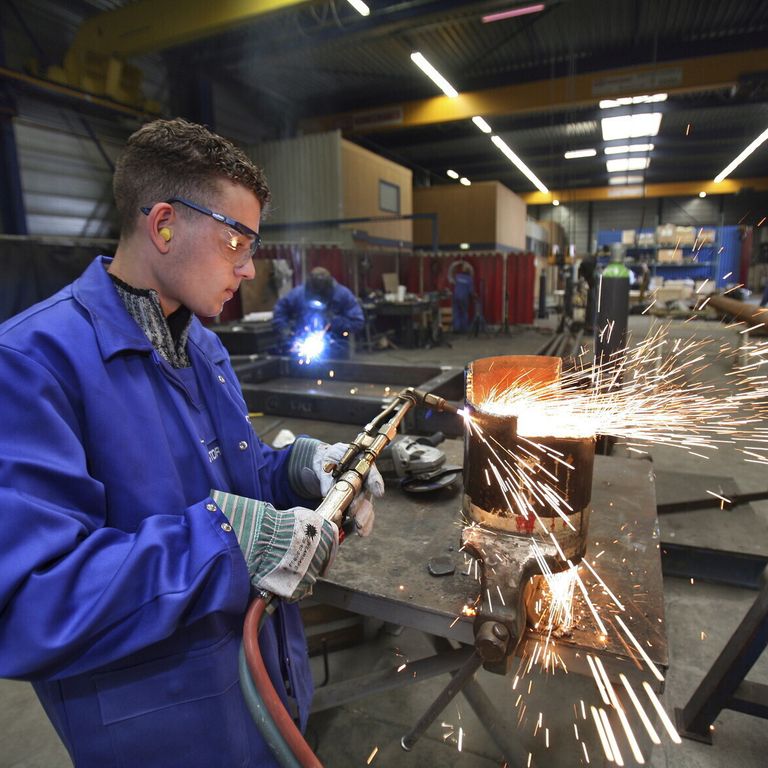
[(122, 587), (463, 290), (294, 311)]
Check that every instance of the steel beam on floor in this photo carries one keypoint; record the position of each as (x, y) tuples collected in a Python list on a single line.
[(734, 569)]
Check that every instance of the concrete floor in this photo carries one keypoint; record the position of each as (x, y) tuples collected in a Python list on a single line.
[(700, 619)]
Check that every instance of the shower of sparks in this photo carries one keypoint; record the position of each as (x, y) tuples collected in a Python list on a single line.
[(652, 392), (663, 716), (660, 401)]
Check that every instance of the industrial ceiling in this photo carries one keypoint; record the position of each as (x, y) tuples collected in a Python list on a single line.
[(537, 80)]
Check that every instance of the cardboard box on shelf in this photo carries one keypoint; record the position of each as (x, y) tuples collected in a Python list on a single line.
[(665, 234), (627, 236), (707, 235), (646, 239), (686, 236), (674, 290), (669, 256)]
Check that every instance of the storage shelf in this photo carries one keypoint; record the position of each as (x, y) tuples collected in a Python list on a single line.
[(717, 258)]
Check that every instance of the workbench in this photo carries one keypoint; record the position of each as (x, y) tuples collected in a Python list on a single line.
[(415, 321), (385, 576), (247, 337)]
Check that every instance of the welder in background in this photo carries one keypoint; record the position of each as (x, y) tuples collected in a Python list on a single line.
[(463, 291), (321, 303)]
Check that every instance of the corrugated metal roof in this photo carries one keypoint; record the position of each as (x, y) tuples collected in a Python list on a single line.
[(321, 58)]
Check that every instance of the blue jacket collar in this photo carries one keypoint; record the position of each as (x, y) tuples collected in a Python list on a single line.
[(116, 331)]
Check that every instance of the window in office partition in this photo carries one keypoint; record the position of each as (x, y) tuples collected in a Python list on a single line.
[(389, 197)]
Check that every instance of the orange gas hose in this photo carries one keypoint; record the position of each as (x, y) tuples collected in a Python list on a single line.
[(292, 735)]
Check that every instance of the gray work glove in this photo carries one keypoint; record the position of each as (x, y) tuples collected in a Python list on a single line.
[(285, 549), (320, 481)]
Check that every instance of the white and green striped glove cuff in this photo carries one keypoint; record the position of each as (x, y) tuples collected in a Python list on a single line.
[(285, 550)]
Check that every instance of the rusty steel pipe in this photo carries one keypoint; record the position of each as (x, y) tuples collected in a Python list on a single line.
[(740, 310), (503, 504)]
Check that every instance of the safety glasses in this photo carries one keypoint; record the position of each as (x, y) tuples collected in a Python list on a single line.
[(240, 240)]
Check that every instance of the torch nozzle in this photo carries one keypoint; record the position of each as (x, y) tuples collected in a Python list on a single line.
[(429, 400)]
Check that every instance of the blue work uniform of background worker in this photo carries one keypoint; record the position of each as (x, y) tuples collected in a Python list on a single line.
[(319, 304), (463, 291), (123, 586)]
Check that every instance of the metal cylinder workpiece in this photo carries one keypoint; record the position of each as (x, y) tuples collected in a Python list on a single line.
[(523, 482)]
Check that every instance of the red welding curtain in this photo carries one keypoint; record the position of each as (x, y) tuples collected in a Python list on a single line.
[(489, 281)]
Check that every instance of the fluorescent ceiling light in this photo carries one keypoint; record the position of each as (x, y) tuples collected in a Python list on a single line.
[(627, 164), (513, 12), (465, 181), (360, 7), (452, 174), (521, 166), (481, 124), (629, 179), (464, 246), (625, 101), (434, 75), (631, 126), (576, 153), (742, 156), (623, 149)]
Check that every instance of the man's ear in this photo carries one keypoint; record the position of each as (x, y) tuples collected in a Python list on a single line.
[(160, 220)]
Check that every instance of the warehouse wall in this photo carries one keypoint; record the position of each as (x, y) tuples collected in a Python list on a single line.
[(480, 215), (305, 177), (66, 180), (361, 172)]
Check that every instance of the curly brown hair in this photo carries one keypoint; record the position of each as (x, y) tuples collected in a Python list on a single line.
[(176, 158)]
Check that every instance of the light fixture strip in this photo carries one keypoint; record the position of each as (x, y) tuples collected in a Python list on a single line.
[(626, 148), (481, 124), (360, 7), (419, 60), (742, 156), (626, 101), (513, 12), (517, 162), (574, 154), (624, 164), (630, 126)]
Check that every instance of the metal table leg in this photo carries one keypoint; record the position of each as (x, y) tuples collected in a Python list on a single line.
[(724, 686), (460, 677), (463, 680)]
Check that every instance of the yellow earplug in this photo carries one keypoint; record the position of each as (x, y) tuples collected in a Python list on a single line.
[(165, 233)]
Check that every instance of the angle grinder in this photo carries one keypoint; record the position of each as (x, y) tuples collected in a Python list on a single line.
[(418, 463)]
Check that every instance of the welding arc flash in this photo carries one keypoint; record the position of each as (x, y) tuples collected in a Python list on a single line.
[(311, 346)]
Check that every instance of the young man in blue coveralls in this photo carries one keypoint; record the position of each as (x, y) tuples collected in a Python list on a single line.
[(123, 585)]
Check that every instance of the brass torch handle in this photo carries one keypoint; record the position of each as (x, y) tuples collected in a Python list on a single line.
[(336, 501)]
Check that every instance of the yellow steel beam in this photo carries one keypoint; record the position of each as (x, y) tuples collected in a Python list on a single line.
[(681, 76), (630, 191), (151, 25), (146, 113)]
